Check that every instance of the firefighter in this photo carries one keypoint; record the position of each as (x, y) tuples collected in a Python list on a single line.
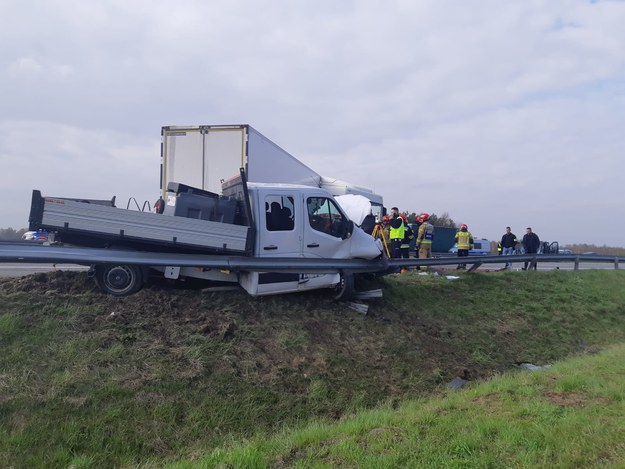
[(386, 221), (425, 237), (397, 229), (464, 240)]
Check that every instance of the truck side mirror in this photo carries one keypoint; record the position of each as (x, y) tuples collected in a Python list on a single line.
[(347, 229)]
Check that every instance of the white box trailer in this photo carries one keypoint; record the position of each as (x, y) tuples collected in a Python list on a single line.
[(204, 156)]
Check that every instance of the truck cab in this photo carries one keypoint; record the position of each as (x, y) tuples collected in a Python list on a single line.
[(298, 221)]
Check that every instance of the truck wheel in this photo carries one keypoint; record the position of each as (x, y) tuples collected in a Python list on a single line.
[(344, 290), (119, 280)]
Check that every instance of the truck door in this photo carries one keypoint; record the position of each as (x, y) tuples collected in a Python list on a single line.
[(279, 235), (280, 225), (324, 228)]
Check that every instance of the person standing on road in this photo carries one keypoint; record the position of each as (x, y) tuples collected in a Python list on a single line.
[(531, 243), (396, 232), (425, 236), (405, 244), (508, 243), (464, 242)]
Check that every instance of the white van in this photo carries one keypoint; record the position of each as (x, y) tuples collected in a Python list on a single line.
[(481, 247)]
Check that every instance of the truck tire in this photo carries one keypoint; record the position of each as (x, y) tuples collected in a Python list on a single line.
[(344, 290), (119, 280)]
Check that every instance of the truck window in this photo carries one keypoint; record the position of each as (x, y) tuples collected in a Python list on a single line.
[(279, 213), (325, 216)]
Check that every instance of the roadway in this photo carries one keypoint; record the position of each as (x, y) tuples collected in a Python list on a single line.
[(20, 270)]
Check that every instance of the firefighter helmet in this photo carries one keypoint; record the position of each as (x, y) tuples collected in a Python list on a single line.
[(464, 227)]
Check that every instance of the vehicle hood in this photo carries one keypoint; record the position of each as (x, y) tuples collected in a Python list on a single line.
[(364, 246)]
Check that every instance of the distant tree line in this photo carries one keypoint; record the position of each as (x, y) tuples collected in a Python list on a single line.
[(9, 234), (601, 250), (443, 220)]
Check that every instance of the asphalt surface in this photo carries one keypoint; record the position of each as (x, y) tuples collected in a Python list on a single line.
[(20, 270)]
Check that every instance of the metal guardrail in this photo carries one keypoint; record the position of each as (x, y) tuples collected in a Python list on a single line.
[(27, 252), (477, 261)]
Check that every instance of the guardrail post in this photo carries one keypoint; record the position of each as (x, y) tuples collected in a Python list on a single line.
[(616, 263), (576, 263)]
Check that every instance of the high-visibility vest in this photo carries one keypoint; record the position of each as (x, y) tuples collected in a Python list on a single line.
[(426, 233), (463, 238), (398, 233)]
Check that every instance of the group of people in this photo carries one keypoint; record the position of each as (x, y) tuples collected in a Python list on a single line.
[(400, 235), (509, 241), (530, 243)]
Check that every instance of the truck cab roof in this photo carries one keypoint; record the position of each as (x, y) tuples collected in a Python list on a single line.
[(281, 185)]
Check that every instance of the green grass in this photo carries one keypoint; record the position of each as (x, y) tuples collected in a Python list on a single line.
[(572, 415), (88, 380)]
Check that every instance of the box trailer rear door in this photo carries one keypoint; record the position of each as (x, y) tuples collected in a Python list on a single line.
[(202, 156)]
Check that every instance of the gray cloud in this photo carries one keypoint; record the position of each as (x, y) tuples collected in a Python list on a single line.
[(498, 113)]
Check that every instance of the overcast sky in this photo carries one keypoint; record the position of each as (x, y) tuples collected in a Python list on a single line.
[(497, 112)]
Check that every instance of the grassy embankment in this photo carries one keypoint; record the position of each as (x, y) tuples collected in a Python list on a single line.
[(87, 380), (571, 416)]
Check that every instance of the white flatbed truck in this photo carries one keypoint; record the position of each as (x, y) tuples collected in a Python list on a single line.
[(259, 221)]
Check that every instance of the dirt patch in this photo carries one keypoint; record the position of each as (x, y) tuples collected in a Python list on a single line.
[(61, 282), (576, 400)]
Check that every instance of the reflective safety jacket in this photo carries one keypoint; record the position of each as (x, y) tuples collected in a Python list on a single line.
[(397, 233), (464, 239), (426, 234), (408, 236)]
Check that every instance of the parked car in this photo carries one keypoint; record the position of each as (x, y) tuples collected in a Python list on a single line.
[(40, 235), (28, 235), (481, 247)]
